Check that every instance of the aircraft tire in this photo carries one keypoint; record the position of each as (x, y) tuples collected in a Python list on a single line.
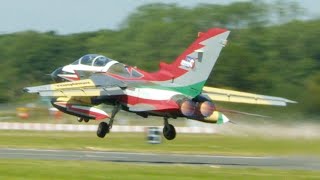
[(103, 129), (86, 120), (169, 132), (80, 119)]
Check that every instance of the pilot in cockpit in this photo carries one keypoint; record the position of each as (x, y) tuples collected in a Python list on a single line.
[(100, 61)]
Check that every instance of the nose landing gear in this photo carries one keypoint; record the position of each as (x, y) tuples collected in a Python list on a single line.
[(104, 128)]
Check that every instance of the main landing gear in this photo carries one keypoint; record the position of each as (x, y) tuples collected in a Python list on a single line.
[(104, 127), (169, 132)]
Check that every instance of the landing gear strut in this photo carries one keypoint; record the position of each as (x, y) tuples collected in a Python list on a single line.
[(169, 132), (104, 127)]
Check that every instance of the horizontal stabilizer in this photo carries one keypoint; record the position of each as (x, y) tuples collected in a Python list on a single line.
[(217, 94)]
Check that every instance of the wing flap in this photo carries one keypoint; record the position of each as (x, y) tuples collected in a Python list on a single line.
[(217, 94)]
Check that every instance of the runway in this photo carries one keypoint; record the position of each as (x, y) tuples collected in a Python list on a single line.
[(234, 161)]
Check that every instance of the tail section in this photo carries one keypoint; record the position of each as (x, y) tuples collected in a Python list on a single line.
[(192, 68)]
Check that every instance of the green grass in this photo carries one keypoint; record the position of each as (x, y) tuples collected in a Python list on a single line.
[(40, 169), (184, 143)]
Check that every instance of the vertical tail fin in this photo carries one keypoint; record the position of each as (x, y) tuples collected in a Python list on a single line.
[(192, 68)]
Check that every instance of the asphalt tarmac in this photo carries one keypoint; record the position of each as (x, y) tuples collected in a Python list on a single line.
[(308, 163)]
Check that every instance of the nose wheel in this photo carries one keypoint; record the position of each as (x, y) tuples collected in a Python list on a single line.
[(169, 132), (104, 128)]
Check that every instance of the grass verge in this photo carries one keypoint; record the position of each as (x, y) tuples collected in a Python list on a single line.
[(40, 169), (216, 144)]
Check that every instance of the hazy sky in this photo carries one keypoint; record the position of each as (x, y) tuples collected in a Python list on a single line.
[(72, 16)]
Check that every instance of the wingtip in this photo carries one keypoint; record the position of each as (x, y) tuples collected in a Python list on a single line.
[(25, 90), (295, 102), (290, 101), (30, 90)]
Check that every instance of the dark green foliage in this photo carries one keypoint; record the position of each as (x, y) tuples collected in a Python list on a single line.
[(269, 51)]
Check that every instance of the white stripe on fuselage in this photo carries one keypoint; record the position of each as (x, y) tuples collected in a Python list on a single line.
[(150, 93)]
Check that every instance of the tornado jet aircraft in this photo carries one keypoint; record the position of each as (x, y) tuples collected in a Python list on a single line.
[(175, 90)]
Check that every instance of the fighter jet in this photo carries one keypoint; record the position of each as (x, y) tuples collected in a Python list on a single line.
[(175, 90)]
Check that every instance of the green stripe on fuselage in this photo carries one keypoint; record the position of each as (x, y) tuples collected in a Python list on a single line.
[(189, 91)]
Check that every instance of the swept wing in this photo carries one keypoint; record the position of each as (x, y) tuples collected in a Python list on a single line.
[(217, 94), (97, 85)]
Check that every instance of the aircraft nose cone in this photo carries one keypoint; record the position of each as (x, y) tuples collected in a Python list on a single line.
[(55, 73)]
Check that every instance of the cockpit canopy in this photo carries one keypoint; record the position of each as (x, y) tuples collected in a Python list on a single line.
[(100, 63), (92, 60)]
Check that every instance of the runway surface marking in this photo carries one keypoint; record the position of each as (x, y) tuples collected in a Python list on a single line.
[(291, 162)]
